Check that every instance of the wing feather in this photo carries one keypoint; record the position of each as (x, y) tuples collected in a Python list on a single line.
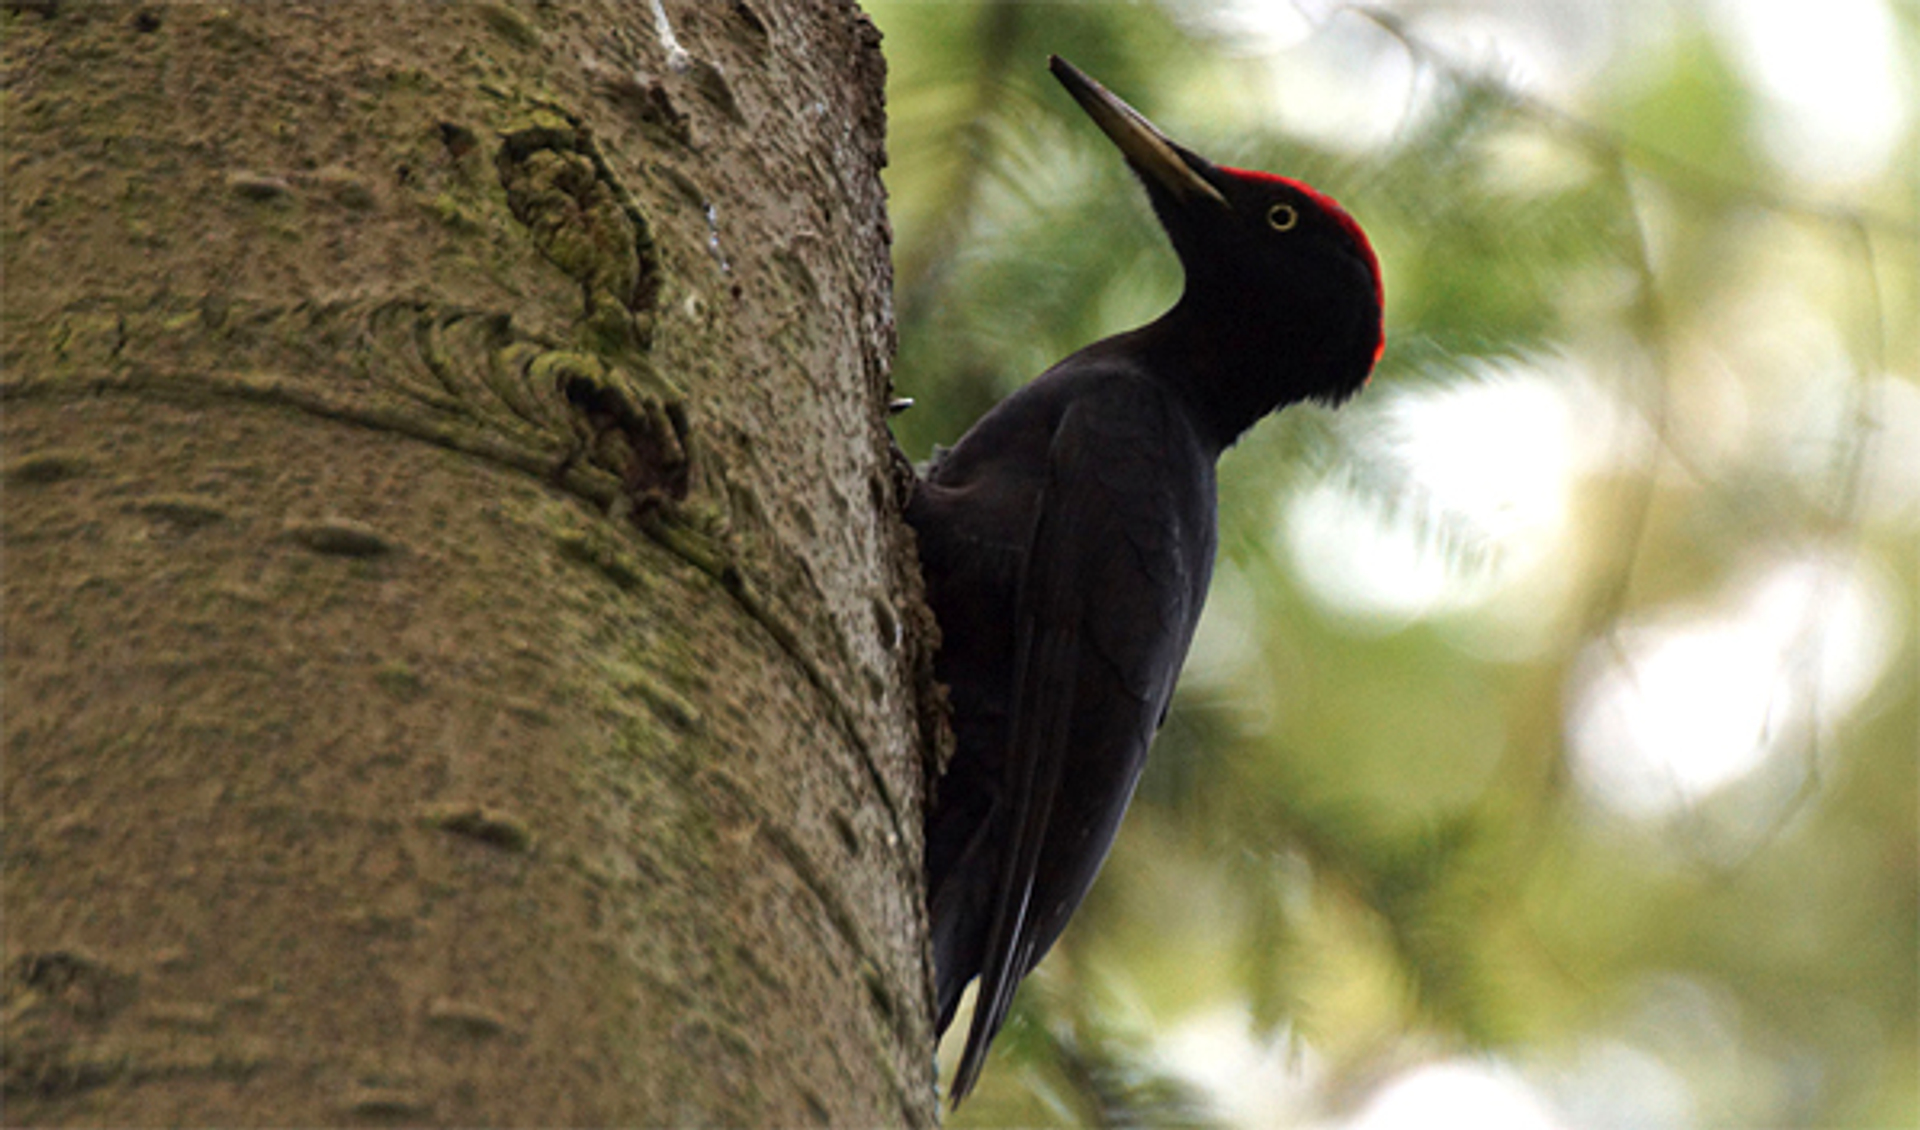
[(1046, 658), (1110, 586)]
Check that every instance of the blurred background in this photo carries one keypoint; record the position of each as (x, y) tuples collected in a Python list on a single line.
[(1547, 757)]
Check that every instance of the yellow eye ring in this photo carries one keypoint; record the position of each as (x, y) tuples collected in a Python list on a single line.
[(1282, 217)]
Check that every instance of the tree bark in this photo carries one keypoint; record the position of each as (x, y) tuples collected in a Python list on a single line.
[(462, 661)]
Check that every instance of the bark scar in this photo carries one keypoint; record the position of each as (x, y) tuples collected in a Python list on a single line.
[(642, 438), (561, 189)]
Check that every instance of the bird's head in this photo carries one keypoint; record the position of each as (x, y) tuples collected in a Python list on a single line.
[(1276, 261)]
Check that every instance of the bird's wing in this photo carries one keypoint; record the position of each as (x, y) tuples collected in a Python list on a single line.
[(1105, 608)]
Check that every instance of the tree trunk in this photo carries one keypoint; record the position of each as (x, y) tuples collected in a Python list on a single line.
[(462, 661)]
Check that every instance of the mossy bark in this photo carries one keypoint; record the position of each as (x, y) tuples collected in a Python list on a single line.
[(462, 659)]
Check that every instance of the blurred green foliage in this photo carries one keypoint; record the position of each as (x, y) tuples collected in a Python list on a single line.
[(1369, 838)]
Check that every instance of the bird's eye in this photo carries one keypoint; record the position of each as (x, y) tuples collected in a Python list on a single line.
[(1282, 217)]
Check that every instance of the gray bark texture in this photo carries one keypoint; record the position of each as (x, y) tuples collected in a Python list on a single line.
[(462, 660)]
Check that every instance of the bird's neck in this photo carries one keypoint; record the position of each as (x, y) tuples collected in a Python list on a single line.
[(1229, 364)]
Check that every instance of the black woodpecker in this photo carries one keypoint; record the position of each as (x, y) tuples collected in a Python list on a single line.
[(1067, 540)]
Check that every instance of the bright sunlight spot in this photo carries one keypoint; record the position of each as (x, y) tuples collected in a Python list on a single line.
[(1834, 76), (1334, 76), (1483, 1095), (1668, 712), (1491, 465), (1253, 1083)]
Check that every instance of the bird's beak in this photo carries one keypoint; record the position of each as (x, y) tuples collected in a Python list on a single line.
[(1146, 147)]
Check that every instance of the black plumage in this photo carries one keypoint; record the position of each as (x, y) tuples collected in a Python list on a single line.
[(1068, 538)]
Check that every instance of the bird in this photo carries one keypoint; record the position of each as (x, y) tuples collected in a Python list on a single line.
[(1067, 540)]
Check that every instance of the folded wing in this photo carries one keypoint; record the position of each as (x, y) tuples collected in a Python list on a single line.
[(1112, 580)]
